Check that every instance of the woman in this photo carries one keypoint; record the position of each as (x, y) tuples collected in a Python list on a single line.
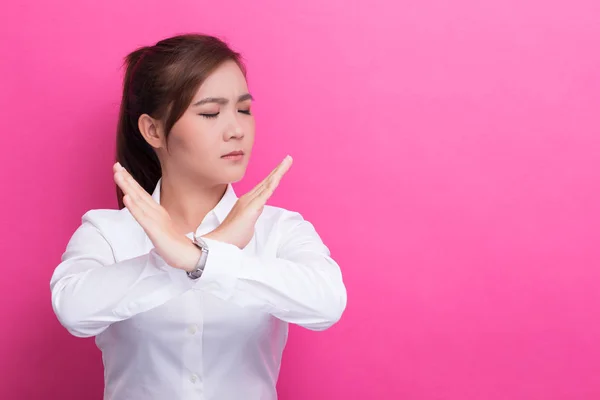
[(189, 290)]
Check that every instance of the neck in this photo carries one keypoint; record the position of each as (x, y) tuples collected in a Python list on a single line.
[(188, 203)]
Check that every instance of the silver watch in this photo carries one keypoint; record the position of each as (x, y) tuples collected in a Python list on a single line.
[(197, 272)]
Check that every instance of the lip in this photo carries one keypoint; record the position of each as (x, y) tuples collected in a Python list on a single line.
[(234, 155)]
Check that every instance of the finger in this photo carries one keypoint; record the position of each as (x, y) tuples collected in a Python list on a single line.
[(122, 181), (132, 187), (120, 178), (135, 210), (283, 168), (130, 184), (117, 167), (138, 208), (141, 193), (274, 180), (125, 184), (269, 188), (261, 185), (258, 188)]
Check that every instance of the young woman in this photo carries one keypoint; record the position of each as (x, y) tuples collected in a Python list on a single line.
[(189, 289)]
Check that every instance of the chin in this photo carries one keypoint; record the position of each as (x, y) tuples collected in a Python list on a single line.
[(234, 177)]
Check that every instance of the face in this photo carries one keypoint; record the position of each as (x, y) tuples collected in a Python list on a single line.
[(213, 139)]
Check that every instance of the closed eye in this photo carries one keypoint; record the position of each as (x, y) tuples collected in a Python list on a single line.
[(210, 115), (247, 112)]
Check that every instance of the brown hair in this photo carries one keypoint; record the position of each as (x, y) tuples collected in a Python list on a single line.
[(161, 81)]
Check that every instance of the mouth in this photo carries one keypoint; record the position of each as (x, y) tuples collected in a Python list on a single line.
[(234, 155)]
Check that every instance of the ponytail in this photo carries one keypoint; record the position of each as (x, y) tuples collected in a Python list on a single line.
[(133, 152)]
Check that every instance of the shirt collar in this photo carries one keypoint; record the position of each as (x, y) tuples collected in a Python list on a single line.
[(221, 210)]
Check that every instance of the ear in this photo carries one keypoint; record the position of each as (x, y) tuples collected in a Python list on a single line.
[(151, 130)]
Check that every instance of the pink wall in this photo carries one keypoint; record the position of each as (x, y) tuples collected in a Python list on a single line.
[(447, 151)]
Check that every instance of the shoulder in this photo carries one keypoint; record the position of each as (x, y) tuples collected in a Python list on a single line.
[(291, 231), (111, 224), (102, 218), (286, 222), (106, 231), (279, 217)]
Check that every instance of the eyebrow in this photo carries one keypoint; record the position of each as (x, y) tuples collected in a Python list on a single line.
[(222, 100)]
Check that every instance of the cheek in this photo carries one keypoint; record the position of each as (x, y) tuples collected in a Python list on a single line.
[(249, 128), (192, 135)]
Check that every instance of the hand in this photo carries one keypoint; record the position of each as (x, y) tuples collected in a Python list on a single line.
[(238, 226), (176, 249)]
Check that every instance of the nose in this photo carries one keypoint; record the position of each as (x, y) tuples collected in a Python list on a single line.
[(234, 132)]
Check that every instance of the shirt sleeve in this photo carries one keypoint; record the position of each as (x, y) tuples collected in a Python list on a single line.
[(90, 290), (302, 284)]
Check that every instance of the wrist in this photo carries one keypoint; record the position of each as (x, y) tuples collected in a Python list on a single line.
[(194, 258), (211, 235), (202, 247)]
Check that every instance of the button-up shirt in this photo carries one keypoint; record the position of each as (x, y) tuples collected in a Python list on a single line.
[(166, 336)]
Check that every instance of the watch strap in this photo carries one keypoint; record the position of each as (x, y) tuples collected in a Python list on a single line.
[(197, 272)]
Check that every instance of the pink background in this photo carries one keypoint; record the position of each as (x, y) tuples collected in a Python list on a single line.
[(447, 151)]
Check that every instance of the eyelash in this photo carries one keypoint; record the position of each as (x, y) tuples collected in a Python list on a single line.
[(215, 115)]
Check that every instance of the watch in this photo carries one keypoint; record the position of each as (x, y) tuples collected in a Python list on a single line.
[(197, 272)]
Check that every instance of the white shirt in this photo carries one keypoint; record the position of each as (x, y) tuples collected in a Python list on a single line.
[(165, 336)]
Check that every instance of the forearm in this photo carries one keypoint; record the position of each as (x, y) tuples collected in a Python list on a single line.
[(305, 288)]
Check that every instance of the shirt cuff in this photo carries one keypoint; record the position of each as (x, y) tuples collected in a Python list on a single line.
[(222, 269)]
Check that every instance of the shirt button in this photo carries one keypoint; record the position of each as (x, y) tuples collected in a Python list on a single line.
[(193, 329), (194, 378)]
